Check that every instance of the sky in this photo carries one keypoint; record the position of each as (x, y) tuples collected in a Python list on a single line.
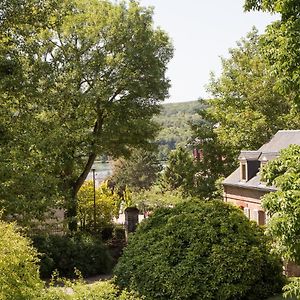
[(201, 31)]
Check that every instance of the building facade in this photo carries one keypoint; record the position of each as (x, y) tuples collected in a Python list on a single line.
[(244, 186)]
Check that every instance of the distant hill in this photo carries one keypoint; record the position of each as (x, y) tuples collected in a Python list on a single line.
[(175, 119)]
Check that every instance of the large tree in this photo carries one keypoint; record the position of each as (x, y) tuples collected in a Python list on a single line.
[(80, 78), (246, 108), (281, 43), (245, 111)]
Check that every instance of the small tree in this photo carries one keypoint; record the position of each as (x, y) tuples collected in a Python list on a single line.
[(19, 276), (139, 171), (199, 250), (107, 206), (179, 171)]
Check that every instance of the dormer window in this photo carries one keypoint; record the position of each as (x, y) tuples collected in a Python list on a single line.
[(249, 164), (244, 171)]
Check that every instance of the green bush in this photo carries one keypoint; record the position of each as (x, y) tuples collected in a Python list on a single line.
[(19, 276), (199, 250), (81, 291), (84, 252)]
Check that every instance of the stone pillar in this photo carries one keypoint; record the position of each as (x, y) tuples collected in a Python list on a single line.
[(131, 220)]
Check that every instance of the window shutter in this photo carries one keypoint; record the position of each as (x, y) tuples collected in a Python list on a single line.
[(247, 212)]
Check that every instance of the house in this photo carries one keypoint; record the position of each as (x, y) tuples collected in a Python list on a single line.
[(244, 186)]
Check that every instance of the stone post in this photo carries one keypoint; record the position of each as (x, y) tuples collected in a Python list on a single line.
[(131, 220)]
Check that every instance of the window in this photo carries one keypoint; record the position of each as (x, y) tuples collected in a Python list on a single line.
[(243, 171), (259, 217)]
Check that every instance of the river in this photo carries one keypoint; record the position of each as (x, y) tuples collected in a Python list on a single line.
[(102, 171)]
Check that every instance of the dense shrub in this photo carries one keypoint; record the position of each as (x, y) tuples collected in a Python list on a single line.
[(199, 250), (84, 252), (19, 277)]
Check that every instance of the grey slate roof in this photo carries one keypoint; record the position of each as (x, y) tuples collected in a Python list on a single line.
[(281, 140), (253, 183), (249, 155)]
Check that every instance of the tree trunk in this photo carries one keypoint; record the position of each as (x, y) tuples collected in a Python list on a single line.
[(72, 203)]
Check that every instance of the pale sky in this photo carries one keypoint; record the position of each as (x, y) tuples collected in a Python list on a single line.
[(201, 32)]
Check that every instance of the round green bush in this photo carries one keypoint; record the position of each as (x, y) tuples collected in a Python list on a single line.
[(199, 250), (82, 251), (19, 276)]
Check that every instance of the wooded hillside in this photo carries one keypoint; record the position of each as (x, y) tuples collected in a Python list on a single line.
[(175, 120)]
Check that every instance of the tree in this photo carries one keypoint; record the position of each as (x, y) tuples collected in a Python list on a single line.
[(81, 78), (281, 43), (244, 113), (179, 171), (154, 198), (283, 205), (137, 172), (209, 247), (216, 160), (283, 208), (107, 205), (245, 107)]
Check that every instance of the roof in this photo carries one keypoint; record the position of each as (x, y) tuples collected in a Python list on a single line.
[(249, 155), (281, 140), (254, 183)]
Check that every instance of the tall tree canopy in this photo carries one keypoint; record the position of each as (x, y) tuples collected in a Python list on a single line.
[(79, 78), (281, 43), (245, 107), (245, 111)]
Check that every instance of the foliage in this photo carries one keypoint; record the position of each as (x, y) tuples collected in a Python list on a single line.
[(179, 171), (245, 111), (281, 43), (19, 276), (107, 206), (284, 205), (84, 252), (246, 108), (80, 291), (70, 72), (150, 200), (292, 289), (199, 250), (137, 172), (175, 120), (214, 161)]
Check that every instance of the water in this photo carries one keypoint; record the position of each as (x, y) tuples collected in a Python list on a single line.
[(105, 169), (102, 171)]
